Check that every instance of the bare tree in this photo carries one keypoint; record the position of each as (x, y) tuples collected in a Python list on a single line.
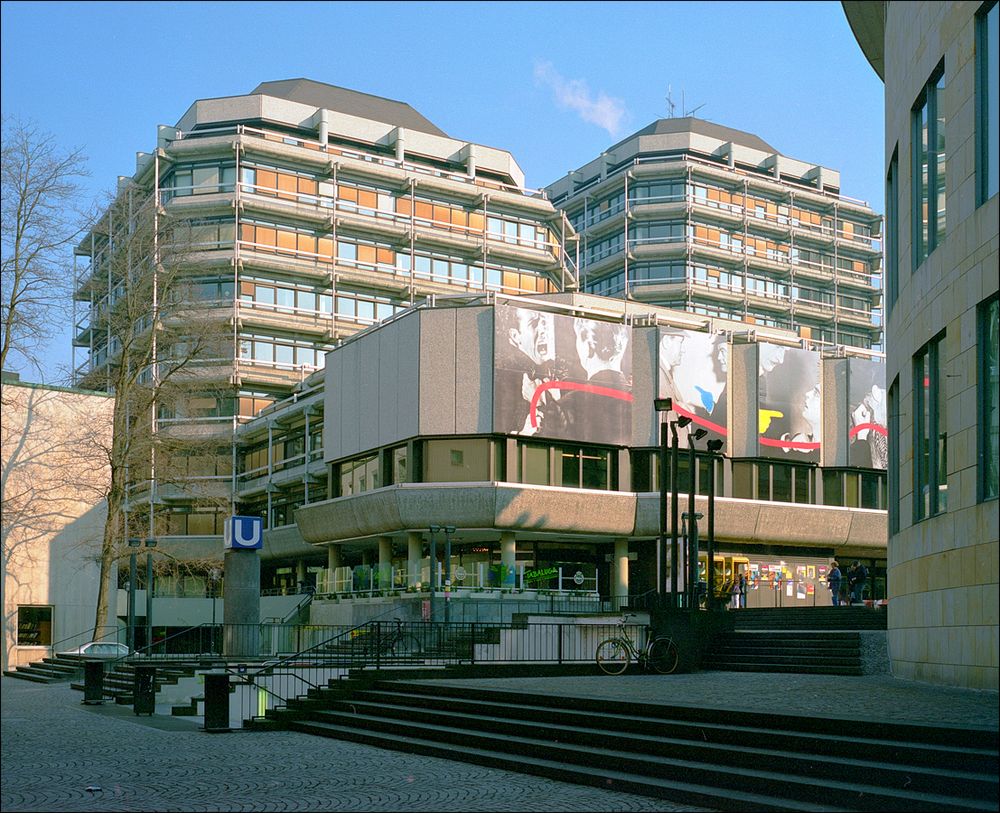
[(41, 219), (166, 353)]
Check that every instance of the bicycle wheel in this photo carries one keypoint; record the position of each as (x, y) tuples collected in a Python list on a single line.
[(407, 645), (612, 656), (663, 655)]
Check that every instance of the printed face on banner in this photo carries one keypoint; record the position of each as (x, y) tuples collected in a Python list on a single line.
[(868, 437), (789, 418), (693, 367), (562, 377)]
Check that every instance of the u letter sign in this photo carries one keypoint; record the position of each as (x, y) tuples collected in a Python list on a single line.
[(244, 533)]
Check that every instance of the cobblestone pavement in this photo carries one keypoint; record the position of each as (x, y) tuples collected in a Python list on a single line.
[(58, 755), (869, 698)]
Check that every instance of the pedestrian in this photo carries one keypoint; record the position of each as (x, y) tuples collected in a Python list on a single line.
[(741, 590), (857, 577), (833, 579)]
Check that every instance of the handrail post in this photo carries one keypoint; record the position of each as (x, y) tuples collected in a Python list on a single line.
[(472, 643), (559, 632)]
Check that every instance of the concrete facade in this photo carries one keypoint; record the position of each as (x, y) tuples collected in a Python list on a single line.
[(53, 516), (943, 568)]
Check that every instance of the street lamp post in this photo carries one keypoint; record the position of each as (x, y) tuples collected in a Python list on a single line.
[(133, 543), (713, 449), (665, 405), (213, 584), (662, 406), (150, 543), (432, 569), (692, 536), (448, 531)]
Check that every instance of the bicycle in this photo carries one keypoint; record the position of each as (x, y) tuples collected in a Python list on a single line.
[(398, 641), (614, 654)]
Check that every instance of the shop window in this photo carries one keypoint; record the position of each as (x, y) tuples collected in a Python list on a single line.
[(34, 626)]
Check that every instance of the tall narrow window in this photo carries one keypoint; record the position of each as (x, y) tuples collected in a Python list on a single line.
[(893, 468), (891, 233), (989, 399), (928, 169), (930, 454), (987, 125)]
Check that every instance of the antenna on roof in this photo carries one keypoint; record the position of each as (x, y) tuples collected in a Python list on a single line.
[(692, 112), (670, 103)]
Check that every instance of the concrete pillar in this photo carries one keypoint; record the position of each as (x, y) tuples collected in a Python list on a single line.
[(241, 605), (470, 160), (414, 557), (300, 572), (323, 127), (620, 590), (400, 143), (508, 558), (385, 562), (333, 561)]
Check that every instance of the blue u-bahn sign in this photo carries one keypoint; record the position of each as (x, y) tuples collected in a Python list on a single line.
[(243, 533)]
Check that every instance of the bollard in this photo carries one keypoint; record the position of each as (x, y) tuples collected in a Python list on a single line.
[(144, 690), (93, 683), (216, 702)]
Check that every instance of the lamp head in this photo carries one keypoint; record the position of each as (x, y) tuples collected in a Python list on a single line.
[(714, 445), (449, 529), (663, 404), (683, 421), (435, 529), (700, 433), (134, 542)]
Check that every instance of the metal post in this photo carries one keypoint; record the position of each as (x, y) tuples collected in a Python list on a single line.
[(149, 600), (661, 564), (692, 537), (710, 542), (448, 531), (674, 511), (133, 544), (432, 568)]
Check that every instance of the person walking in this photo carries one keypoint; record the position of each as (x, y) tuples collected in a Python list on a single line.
[(858, 576), (833, 579)]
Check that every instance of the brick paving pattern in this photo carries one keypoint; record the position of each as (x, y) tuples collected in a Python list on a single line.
[(53, 749)]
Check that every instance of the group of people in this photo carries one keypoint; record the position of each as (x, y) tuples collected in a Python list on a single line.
[(857, 578)]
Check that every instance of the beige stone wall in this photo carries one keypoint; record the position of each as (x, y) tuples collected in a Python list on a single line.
[(943, 570), (53, 476)]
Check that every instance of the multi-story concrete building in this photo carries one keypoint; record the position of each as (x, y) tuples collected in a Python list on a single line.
[(700, 217), (528, 426), (310, 212), (939, 65)]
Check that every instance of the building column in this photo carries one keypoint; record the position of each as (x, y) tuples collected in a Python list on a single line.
[(414, 557), (508, 558), (333, 561), (300, 573), (385, 562), (620, 589)]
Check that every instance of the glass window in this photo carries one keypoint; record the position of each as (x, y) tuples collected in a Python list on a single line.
[(781, 482), (34, 626), (284, 354), (927, 148), (743, 480), (930, 454), (285, 298), (833, 488), (535, 464), (892, 402), (802, 481), (989, 396), (987, 125), (892, 233)]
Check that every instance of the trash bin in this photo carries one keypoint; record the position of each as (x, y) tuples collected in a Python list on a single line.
[(144, 690), (216, 702), (93, 683)]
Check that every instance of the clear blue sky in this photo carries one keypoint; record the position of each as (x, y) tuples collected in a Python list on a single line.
[(553, 83)]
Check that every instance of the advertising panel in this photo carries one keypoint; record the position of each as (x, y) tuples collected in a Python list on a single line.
[(693, 369), (562, 377), (868, 437), (789, 424)]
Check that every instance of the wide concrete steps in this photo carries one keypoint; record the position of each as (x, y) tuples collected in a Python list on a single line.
[(712, 758), (810, 618), (57, 669), (817, 653)]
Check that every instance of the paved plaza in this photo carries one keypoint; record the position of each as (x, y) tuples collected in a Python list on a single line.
[(60, 755)]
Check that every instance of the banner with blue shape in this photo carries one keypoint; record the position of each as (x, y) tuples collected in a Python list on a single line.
[(243, 533)]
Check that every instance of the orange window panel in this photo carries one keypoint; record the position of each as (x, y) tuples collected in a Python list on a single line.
[(476, 221), (366, 254), (367, 198), (348, 193), (772, 208), (403, 206), (325, 247), (307, 186), (385, 256), (713, 272), (267, 179), (286, 240), (247, 232), (266, 236), (442, 214), (701, 233), (287, 185), (511, 281), (714, 236), (459, 217), (737, 200), (713, 194), (848, 228), (805, 332), (247, 288), (246, 406), (306, 242), (423, 210)]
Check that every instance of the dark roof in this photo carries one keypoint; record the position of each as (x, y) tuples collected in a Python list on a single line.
[(688, 124), (352, 102)]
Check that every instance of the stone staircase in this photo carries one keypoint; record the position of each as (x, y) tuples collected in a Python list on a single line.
[(55, 669), (712, 758), (810, 653), (809, 618)]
